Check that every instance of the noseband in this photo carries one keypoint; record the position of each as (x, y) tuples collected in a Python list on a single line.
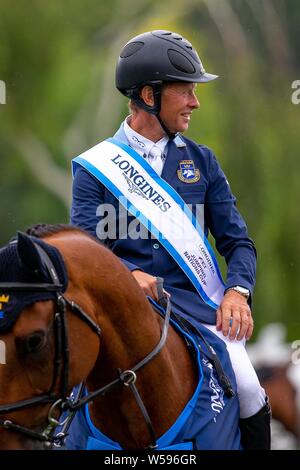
[(61, 364)]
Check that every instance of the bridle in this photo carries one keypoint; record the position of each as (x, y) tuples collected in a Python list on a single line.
[(61, 363), (61, 358)]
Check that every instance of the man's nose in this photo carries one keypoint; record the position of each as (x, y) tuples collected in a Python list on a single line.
[(194, 102)]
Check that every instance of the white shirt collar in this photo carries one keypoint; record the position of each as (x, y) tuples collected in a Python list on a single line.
[(141, 144)]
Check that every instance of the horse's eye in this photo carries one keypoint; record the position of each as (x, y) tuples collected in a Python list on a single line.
[(33, 343)]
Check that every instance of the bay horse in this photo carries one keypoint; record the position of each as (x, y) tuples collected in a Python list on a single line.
[(71, 313)]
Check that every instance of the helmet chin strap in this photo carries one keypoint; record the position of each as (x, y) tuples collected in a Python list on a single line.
[(134, 94), (170, 134), (157, 87)]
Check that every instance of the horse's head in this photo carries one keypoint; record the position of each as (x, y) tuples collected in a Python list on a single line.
[(42, 334)]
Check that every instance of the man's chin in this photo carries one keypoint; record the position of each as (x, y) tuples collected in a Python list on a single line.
[(183, 128), (180, 128)]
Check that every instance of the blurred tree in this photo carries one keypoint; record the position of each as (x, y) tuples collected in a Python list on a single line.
[(58, 63)]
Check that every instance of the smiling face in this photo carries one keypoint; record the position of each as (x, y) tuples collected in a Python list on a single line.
[(178, 101)]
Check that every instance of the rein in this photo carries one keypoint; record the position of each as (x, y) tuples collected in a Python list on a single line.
[(128, 377)]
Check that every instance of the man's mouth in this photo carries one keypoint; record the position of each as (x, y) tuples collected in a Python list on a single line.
[(187, 115)]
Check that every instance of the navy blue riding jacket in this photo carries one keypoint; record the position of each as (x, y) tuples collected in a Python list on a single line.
[(221, 219)]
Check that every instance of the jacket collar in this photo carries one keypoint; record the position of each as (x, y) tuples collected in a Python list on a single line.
[(121, 136)]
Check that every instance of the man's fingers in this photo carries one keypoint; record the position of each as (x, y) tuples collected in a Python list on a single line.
[(147, 282), (154, 290), (219, 319), (250, 328), (150, 288), (236, 318), (245, 321), (235, 323), (226, 316)]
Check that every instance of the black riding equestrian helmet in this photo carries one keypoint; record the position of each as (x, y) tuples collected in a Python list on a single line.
[(153, 58)]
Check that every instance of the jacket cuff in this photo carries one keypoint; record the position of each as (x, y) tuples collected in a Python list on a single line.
[(130, 266)]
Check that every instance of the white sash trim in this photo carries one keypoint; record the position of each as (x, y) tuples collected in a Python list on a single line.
[(131, 179)]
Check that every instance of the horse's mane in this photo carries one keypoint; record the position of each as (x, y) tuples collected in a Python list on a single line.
[(46, 230)]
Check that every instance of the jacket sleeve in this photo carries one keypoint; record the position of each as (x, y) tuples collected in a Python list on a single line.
[(229, 230), (87, 195)]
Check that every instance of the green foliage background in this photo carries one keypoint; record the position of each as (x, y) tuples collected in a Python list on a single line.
[(57, 60)]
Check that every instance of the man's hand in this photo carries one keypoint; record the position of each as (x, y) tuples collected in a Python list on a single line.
[(234, 316), (147, 283)]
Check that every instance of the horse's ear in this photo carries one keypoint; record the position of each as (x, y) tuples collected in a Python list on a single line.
[(28, 252)]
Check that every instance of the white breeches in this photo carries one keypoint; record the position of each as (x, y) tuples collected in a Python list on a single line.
[(251, 394)]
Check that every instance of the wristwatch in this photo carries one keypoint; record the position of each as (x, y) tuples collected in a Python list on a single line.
[(241, 290)]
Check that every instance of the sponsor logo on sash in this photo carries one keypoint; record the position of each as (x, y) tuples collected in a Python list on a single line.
[(188, 173), (138, 184)]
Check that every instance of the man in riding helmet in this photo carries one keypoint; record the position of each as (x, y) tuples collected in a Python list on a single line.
[(158, 71)]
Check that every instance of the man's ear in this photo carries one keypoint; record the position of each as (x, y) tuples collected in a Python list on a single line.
[(146, 94)]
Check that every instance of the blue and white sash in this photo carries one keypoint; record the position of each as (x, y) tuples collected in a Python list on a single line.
[(131, 179)]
